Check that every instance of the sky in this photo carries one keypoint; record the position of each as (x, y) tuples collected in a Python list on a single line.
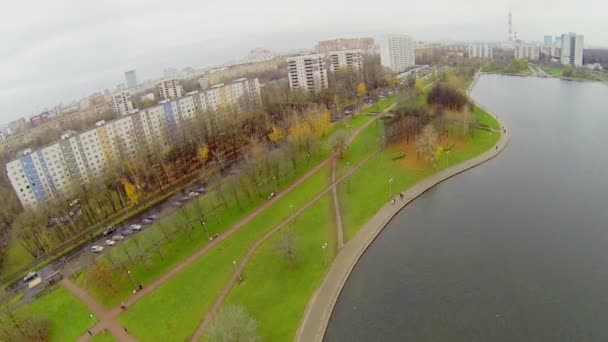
[(62, 50)]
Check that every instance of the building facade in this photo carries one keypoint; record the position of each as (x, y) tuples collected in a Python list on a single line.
[(131, 79), (346, 59), (527, 51), (397, 52), (572, 49), (169, 89), (307, 72), (548, 40), (326, 46), (121, 102), (480, 51)]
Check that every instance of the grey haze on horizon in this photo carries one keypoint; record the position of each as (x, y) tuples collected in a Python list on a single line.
[(61, 50)]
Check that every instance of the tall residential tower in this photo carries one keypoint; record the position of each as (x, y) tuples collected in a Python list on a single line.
[(572, 49), (397, 52)]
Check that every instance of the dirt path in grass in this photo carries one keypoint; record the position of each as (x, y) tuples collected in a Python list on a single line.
[(337, 208), (105, 319)]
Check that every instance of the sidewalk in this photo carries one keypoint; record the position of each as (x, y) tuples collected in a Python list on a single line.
[(320, 307)]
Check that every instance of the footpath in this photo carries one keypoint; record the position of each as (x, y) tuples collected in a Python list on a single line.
[(321, 305)]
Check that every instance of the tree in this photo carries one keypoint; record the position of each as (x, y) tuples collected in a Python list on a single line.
[(131, 191), (320, 121), (203, 153), (426, 143), (100, 274), (286, 246), (233, 324), (338, 142), (361, 89), (277, 134)]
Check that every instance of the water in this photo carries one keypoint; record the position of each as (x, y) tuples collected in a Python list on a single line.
[(513, 250)]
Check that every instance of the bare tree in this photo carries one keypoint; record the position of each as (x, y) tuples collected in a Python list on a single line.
[(233, 324), (338, 142), (426, 143), (286, 246)]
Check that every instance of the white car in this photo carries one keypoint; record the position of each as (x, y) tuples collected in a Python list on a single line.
[(135, 227), (110, 242), (30, 276), (96, 249), (117, 237), (193, 194)]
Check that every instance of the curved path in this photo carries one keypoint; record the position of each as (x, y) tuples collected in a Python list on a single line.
[(320, 307), (337, 208)]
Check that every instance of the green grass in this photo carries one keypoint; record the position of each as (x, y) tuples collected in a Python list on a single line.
[(367, 190), (274, 292), (103, 336), (381, 105), (174, 311), (484, 119), (16, 258), (553, 70), (499, 69), (367, 142), (68, 316)]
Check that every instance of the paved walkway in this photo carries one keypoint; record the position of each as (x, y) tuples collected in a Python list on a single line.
[(320, 307), (337, 208), (105, 319)]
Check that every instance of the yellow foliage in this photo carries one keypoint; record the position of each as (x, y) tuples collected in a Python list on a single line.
[(131, 191), (277, 134), (257, 152), (203, 153), (418, 86), (438, 152), (361, 89), (320, 122), (300, 132), (391, 81)]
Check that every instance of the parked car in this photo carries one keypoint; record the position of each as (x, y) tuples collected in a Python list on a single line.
[(177, 204), (111, 230), (110, 242), (30, 276), (149, 219), (117, 237), (135, 227), (193, 194), (201, 190), (96, 249), (126, 232)]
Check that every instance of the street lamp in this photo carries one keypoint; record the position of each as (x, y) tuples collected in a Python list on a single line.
[(133, 280), (324, 247), (308, 156), (292, 212), (347, 176), (236, 269), (205, 229), (447, 153), (92, 317), (390, 187), (276, 184)]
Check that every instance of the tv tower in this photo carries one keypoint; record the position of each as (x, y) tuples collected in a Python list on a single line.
[(510, 28)]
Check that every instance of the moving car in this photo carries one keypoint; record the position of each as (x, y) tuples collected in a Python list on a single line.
[(109, 231), (126, 232), (117, 237), (149, 219), (30, 276), (96, 249), (135, 227), (110, 242), (193, 194)]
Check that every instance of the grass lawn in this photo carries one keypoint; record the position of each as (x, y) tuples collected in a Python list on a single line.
[(103, 336), (502, 70), (381, 105), (68, 316), (368, 188), (484, 119), (274, 292), (553, 70), (174, 311), (367, 142), (17, 257)]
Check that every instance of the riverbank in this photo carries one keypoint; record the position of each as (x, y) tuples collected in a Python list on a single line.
[(320, 307)]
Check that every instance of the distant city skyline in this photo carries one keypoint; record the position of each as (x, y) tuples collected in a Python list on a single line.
[(58, 51)]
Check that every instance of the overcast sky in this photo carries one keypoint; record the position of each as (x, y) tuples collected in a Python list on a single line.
[(61, 50)]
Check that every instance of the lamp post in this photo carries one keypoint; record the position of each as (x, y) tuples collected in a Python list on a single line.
[(93, 318), (447, 154), (347, 177), (390, 187), (276, 184), (205, 230), (308, 156), (236, 269), (133, 280), (292, 212), (324, 247)]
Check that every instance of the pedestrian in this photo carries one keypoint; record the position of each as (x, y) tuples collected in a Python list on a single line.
[(401, 195), (123, 306), (126, 331), (90, 333), (140, 287), (496, 147), (393, 201)]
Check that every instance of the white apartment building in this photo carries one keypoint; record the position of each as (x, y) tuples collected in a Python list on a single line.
[(307, 72), (48, 173), (397, 52), (572, 49), (121, 102), (527, 51), (169, 89), (480, 51), (346, 59)]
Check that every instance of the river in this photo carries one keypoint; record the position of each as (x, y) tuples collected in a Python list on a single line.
[(513, 250)]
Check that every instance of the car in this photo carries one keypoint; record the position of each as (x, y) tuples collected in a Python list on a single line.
[(177, 204), (146, 221), (117, 237), (193, 194), (111, 230), (110, 242), (96, 249), (348, 111), (30, 276), (135, 227), (126, 232), (201, 190)]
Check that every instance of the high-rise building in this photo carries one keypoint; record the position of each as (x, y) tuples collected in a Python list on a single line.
[(325, 46), (572, 49), (239, 93), (169, 89), (121, 102), (548, 40), (307, 72), (480, 51), (527, 51), (131, 79), (346, 59), (397, 52)]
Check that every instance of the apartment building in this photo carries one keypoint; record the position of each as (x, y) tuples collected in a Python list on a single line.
[(131, 79), (397, 52), (48, 173), (572, 49), (121, 102), (169, 89), (307, 72), (347, 59), (326, 46), (480, 51), (527, 51)]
